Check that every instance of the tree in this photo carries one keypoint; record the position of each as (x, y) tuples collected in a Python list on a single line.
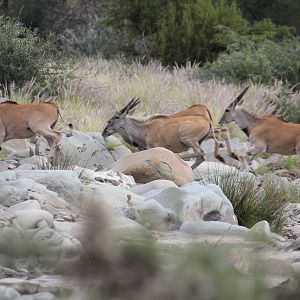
[(175, 30), (281, 12)]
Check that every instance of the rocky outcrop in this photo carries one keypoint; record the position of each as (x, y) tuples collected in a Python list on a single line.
[(167, 209), (50, 218), (88, 150)]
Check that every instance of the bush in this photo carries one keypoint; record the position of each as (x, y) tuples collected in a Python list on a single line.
[(52, 15), (264, 63), (175, 31), (252, 203), (23, 55), (94, 37), (289, 108)]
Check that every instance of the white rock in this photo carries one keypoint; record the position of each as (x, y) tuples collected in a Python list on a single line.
[(29, 219), (260, 231), (151, 214), (89, 150), (213, 228), (39, 296), (210, 169), (190, 202), (7, 293), (25, 205), (64, 182), (126, 229), (113, 200), (141, 189)]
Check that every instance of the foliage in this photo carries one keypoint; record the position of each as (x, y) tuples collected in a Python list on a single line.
[(52, 15), (287, 107), (68, 161), (32, 13), (94, 37), (175, 31), (23, 55), (252, 203), (280, 12), (264, 62)]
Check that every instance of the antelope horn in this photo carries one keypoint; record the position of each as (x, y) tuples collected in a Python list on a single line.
[(126, 106), (239, 98), (132, 104)]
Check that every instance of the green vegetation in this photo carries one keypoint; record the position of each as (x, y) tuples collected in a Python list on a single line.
[(263, 62), (176, 31), (280, 12), (69, 161), (23, 55), (255, 200)]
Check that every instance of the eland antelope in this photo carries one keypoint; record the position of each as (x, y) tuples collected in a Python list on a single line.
[(175, 134), (21, 121), (267, 134), (216, 133)]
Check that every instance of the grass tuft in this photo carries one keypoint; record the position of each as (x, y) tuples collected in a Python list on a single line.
[(255, 200), (64, 162)]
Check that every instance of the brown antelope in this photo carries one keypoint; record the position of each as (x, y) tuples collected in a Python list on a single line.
[(267, 134), (21, 121), (216, 133), (175, 134)]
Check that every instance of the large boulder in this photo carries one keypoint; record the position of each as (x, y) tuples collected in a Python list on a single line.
[(167, 209), (110, 200), (159, 184), (48, 245), (88, 149), (213, 228), (18, 149), (15, 190), (155, 163), (64, 182)]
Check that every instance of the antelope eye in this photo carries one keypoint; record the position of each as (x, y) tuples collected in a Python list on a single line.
[(227, 110)]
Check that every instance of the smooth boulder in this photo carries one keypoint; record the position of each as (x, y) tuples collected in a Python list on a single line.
[(153, 164)]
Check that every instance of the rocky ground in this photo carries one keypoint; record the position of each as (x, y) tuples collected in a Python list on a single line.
[(44, 223)]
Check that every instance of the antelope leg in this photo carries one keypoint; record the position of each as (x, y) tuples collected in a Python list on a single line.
[(217, 133), (226, 137), (253, 151)]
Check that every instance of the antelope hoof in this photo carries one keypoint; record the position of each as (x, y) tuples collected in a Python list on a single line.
[(220, 158), (234, 156)]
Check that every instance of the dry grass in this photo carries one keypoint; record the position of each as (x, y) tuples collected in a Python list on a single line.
[(100, 87)]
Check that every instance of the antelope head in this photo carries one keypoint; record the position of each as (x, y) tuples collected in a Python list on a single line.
[(117, 122), (230, 112)]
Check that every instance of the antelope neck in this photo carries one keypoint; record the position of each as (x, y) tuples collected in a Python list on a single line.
[(245, 120), (133, 132)]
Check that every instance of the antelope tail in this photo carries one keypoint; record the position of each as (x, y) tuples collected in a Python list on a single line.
[(70, 125), (212, 128)]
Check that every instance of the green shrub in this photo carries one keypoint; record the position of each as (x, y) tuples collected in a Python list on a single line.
[(94, 37), (288, 108), (32, 13), (175, 31), (262, 62), (253, 204), (23, 55)]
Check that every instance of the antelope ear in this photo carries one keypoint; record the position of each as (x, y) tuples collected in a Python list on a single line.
[(239, 99)]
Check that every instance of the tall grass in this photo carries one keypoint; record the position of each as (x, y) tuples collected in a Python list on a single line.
[(100, 87), (254, 200)]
